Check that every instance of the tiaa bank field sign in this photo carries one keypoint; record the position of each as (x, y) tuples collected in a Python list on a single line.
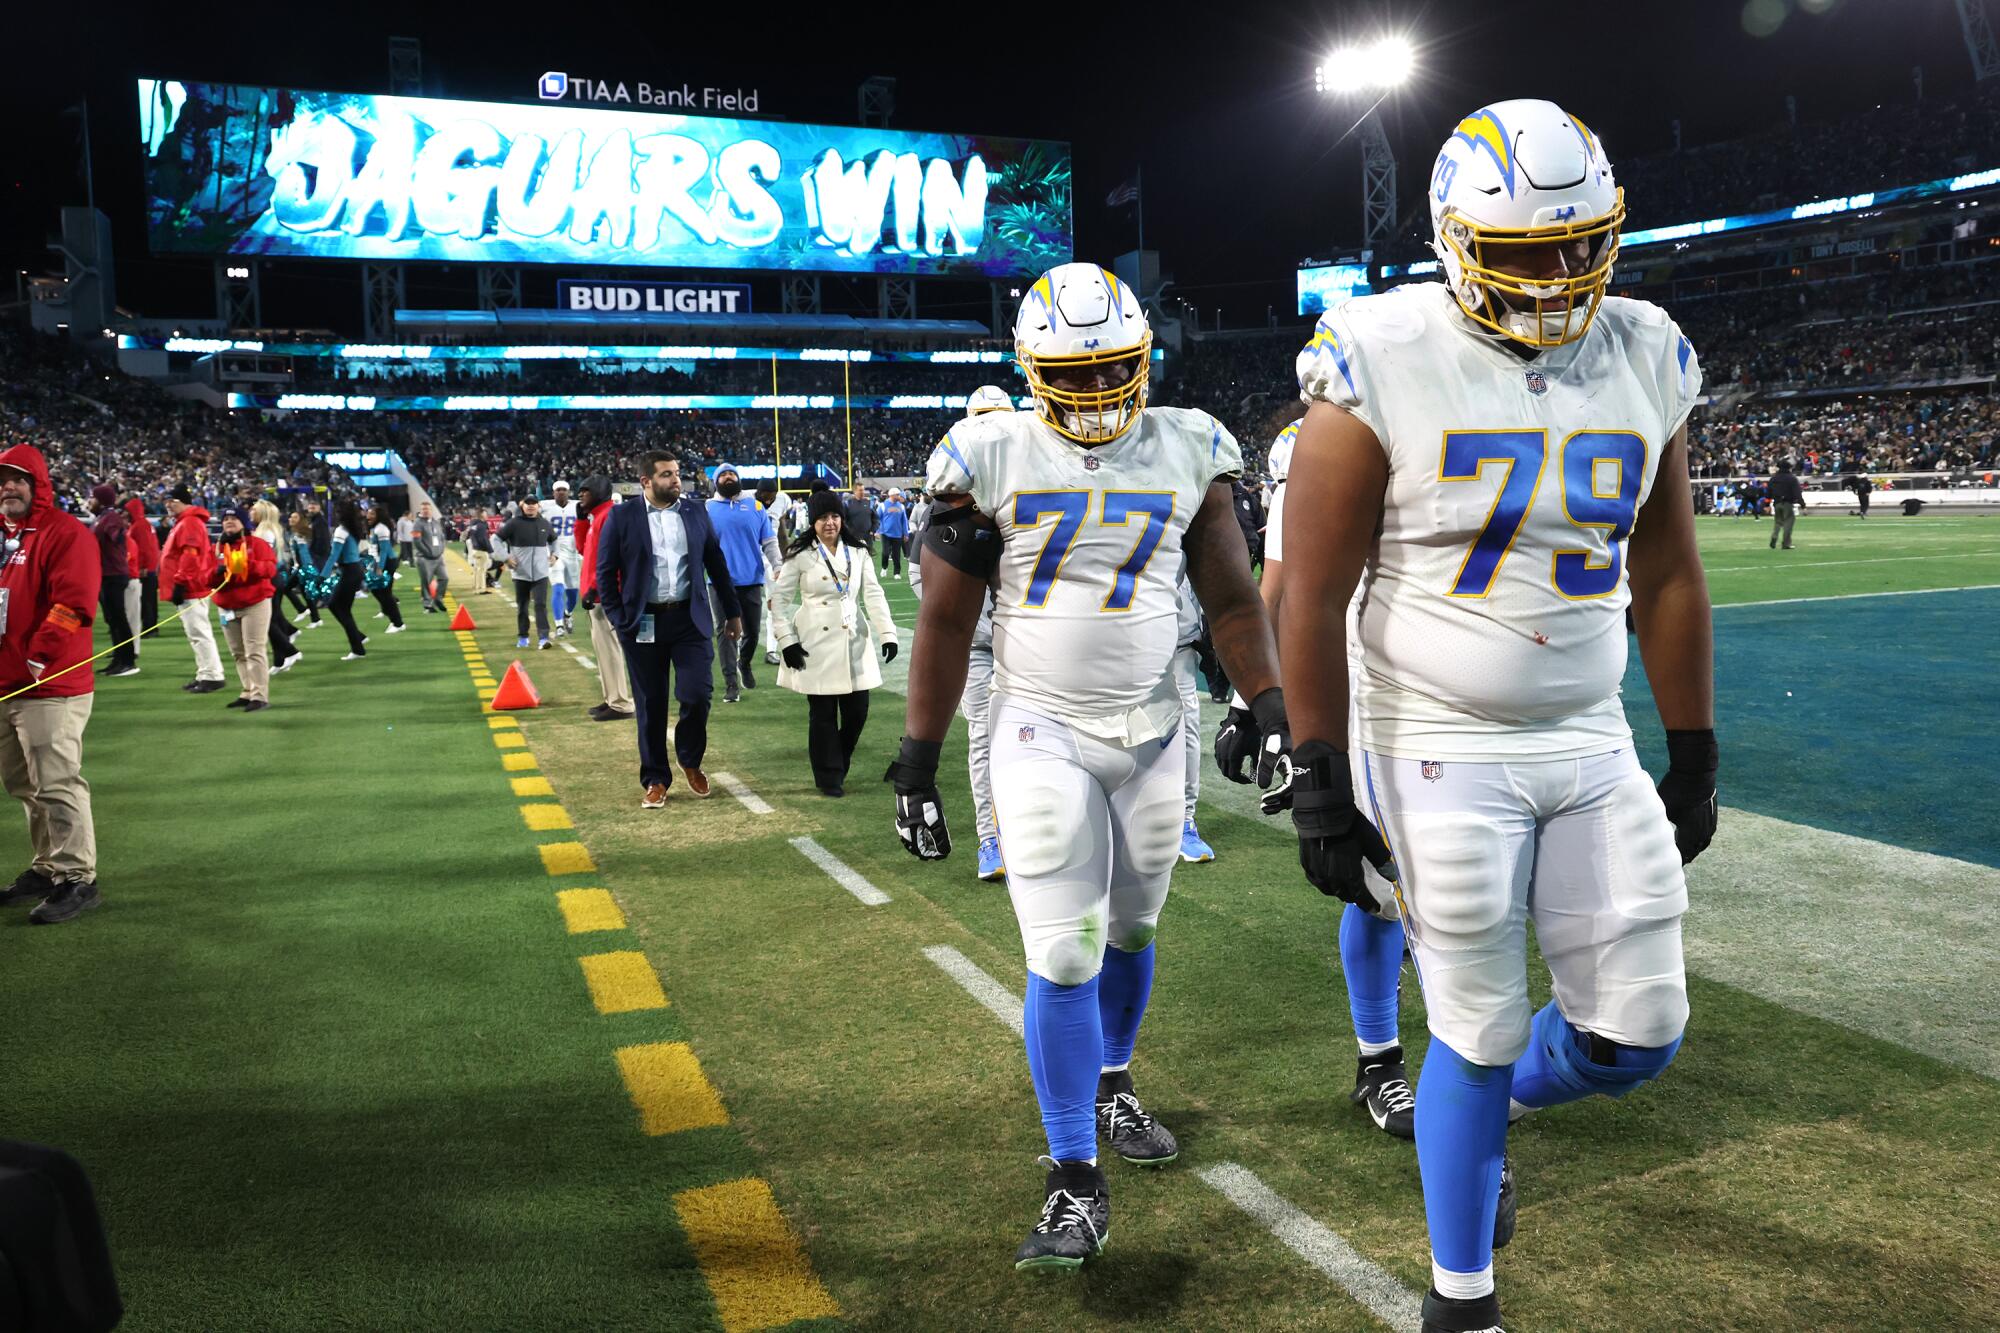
[(653, 298)]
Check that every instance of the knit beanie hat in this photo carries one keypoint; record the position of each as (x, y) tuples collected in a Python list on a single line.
[(820, 504)]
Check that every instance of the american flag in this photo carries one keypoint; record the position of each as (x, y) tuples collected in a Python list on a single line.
[(1128, 193)]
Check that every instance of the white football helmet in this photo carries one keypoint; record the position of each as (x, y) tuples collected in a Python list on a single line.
[(1281, 450), (988, 398), (1085, 348), (1523, 183)]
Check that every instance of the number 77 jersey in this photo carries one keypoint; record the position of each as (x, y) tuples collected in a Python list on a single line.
[(1492, 609), (1086, 613)]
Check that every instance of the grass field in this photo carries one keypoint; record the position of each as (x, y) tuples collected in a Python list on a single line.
[(339, 1056)]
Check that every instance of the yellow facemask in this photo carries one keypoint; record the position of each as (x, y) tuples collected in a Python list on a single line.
[(1548, 312)]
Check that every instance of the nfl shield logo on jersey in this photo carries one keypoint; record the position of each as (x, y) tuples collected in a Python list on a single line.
[(1027, 734), (1432, 770), (1538, 384), (1091, 463)]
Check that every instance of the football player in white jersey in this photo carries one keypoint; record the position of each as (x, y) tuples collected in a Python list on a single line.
[(1080, 516), (1371, 935), (566, 569), (979, 685), (1500, 461)]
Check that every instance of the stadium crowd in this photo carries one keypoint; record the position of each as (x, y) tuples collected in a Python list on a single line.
[(1891, 145)]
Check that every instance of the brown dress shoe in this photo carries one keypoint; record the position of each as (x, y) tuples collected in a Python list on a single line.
[(655, 798), (697, 780)]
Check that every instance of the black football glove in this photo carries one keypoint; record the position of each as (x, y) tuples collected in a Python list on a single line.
[(795, 656), (888, 652), (919, 808), (1688, 790), (589, 602), (1236, 744), (1334, 836), (1274, 766)]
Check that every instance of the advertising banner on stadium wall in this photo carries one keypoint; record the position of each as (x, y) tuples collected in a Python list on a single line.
[(672, 298), (234, 170)]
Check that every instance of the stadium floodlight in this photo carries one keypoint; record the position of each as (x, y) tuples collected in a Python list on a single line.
[(1376, 67)]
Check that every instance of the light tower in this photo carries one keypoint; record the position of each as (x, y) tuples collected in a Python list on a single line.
[(1374, 70)]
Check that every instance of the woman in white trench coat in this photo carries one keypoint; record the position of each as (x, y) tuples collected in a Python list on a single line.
[(832, 621)]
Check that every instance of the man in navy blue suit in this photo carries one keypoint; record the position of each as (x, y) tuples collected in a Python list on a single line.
[(650, 567)]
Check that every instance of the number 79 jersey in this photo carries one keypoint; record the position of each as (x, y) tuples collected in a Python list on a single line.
[(1492, 609), (1085, 620)]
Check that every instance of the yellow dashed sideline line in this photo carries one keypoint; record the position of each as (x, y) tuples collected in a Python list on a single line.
[(567, 858), (669, 1089), (588, 910), (753, 1263), (544, 818), (622, 982), (755, 1269)]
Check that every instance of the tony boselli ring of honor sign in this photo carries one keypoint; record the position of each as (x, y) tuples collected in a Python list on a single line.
[(234, 170)]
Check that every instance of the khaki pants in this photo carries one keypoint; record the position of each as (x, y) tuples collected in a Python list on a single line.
[(249, 635), (132, 587), (1782, 517), (610, 662), (201, 636), (481, 562), (41, 763)]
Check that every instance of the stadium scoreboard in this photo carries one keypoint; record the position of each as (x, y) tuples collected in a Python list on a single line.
[(236, 170)]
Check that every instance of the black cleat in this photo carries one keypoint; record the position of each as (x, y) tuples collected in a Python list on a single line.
[(1442, 1314), (1075, 1221), (72, 898), (1509, 1210), (30, 883), (1134, 1134), (1382, 1085)]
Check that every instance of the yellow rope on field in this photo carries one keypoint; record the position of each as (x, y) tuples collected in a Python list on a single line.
[(36, 685)]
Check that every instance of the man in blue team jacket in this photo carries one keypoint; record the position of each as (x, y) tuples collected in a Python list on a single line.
[(650, 570), (750, 546), (894, 525)]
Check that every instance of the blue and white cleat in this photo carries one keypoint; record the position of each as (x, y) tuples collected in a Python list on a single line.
[(1192, 847), (991, 868), (521, 642)]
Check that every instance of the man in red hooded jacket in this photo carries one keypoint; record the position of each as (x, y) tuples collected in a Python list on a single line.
[(595, 500), (49, 582), (187, 562), (145, 562)]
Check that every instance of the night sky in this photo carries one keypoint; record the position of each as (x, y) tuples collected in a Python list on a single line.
[(1245, 168)]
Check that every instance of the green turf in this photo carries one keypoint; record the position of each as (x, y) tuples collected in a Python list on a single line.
[(325, 1049), (328, 1055)]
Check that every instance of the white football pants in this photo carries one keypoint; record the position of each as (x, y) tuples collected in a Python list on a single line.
[(1093, 831), (975, 708), (1584, 847), (1186, 667)]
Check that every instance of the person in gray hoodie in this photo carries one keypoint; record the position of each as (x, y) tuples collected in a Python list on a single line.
[(528, 537), (427, 544)]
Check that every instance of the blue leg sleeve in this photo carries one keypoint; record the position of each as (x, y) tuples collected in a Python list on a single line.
[(1065, 1036), (556, 594), (1122, 990), (1461, 1133), (1371, 958), (1558, 1066)]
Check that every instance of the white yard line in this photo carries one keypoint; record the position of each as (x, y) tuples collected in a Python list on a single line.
[(843, 874), (1322, 1247), (1853, 596), (1319, 1245), (752, 802), (1776, 563), (999, 1001)]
